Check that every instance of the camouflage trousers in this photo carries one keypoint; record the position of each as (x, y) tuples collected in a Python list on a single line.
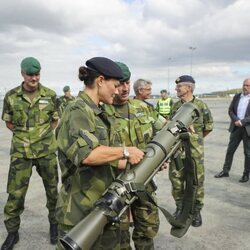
[(18, 181), (109, 240), (146, 224), (177, 178)]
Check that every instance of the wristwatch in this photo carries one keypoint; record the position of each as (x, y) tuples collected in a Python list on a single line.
[(125, 153)]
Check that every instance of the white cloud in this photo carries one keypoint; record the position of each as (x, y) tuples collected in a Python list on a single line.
[(63, 34)]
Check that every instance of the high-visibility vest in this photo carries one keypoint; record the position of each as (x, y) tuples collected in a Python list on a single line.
[(164, 106)]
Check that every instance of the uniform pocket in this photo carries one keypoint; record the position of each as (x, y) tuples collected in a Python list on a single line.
[(20, 117), (144, 130), (102, 135), (44, 113)]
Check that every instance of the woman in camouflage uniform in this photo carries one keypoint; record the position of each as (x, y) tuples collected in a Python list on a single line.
[(84, 152)]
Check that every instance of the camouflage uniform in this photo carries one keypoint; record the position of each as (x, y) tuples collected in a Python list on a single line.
[(62, 102), (81, 130), (33, 143), (204, 123), (134, 124)]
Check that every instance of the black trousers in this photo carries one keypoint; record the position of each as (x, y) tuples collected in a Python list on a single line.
[(239, 134)]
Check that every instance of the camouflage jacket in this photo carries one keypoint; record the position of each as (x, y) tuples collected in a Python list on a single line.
[(203, 123), (33, 136), (80, 130), (62, 102), (133, 124)]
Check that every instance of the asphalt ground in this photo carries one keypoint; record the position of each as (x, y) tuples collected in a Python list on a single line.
[(226, 214)]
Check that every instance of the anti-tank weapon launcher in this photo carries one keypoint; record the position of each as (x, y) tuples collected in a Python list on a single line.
[(122, 192)]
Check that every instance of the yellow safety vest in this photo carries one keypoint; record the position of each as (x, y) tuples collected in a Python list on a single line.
[(164, 106)]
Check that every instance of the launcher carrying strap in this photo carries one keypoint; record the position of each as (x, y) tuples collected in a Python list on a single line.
[(181, 224), (190, 192)]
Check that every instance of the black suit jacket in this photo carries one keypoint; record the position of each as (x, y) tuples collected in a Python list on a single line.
[(232, 111)]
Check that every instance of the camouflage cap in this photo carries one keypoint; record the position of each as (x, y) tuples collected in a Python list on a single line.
[(66, 88), (30, 65), (125, 71), (185, 78)]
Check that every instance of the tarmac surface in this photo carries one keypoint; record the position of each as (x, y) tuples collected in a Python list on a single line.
[(226, 214)]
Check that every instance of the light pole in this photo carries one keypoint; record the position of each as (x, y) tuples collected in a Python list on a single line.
[(169, 59), (191, 58)]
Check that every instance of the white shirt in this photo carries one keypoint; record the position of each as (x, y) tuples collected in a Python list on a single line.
[(242, 107)]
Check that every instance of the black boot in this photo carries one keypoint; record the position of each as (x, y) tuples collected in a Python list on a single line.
[(10, 241), (53, 233), (244, 178), (222, 174), (197, 220)]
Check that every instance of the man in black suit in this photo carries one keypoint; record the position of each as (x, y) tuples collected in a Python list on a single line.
[(239, 112)]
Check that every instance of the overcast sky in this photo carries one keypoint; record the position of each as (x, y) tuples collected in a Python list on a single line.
[(153, 37)]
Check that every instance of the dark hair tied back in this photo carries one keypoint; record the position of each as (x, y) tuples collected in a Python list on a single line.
[(87, 75), (83, 73)]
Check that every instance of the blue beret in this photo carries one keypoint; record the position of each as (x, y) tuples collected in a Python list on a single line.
[(105, 67), (185, 78), (30, 66)]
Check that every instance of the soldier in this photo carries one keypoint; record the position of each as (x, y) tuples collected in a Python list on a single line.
[(133, 124), (203, 126), (30, 113), (64, 100), (164, 105), (143, 90), (84, 152)]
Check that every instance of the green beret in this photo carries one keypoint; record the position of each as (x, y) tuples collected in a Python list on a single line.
[(30, 66), (105, 67), (66, 88), (125, 71)]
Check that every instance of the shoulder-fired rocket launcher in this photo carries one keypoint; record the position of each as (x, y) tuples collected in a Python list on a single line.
[(122, 192)]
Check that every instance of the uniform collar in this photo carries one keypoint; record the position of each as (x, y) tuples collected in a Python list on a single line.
[(20, 91), (97, 110), (191, 100)]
